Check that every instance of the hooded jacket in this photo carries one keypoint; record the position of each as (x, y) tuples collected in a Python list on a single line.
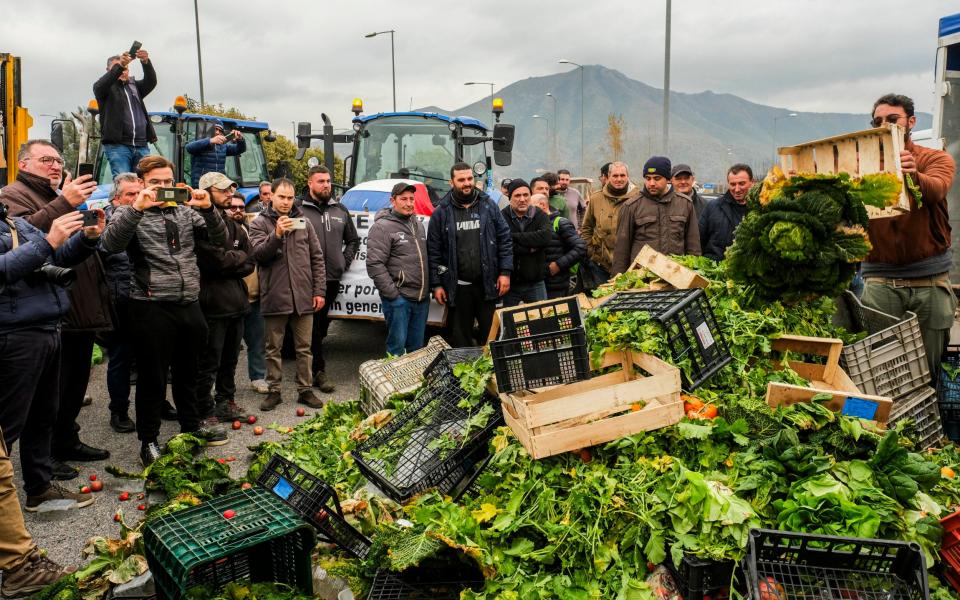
[(207, 157), (496, 246), (566, 249), (338, 235), (223, 293), (32, 198), (112, 99), (27, 299), (599, 225), (665, 223), (290, 268), (397, 256), (161, 243)]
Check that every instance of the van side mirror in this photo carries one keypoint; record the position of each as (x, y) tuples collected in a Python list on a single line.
[(503, 144)]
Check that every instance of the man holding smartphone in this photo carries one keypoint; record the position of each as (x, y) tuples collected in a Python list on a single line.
[(209, 154), (125, 128)]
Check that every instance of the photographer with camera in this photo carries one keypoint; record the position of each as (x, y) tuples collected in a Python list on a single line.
[(34, 196), (125, 128), (209, 154), (160, 231)]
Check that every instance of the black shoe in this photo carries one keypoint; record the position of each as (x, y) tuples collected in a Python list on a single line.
[(64, 472), (149, 453), (168, 412), (121, 423), (81, 453)]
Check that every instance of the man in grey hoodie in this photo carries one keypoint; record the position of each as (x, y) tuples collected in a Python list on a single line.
[(397, 263)]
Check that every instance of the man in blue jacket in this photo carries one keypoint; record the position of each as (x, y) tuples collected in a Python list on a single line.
[(471, 256), (209, 154)]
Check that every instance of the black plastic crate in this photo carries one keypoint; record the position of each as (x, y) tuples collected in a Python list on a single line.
[(691, 328), (407, 456), (800, 565), (948, 396), (701, 578), (442, 365), (315, 501), (541, 360), (424, 583), (551, 316)]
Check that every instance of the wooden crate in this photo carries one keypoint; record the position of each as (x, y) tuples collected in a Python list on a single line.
[(858, 153), (828, 377), (599, 410), (667, 269)]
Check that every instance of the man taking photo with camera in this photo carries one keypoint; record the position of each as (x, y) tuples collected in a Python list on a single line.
[(125, 128), (210, 153)]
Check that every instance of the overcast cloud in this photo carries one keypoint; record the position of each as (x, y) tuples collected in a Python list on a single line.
[(287, 60)]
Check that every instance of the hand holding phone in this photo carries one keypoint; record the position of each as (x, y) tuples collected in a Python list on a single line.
[(173, 194), (85, 169), (298, 223), (90, 218), (133, 49)]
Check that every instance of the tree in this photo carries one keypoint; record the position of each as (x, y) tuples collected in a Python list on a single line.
[(79, 126), (615, 128)]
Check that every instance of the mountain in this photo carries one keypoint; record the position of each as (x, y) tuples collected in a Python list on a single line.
[(709, 131)]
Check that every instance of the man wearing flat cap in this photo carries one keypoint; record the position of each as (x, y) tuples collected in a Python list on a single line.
[(682, 178), (660, 217)]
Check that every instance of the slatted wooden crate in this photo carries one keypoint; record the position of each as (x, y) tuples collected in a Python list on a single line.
[(859, 153), (667, 269)]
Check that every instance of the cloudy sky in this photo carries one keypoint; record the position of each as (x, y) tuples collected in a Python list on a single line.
[(286, 60)]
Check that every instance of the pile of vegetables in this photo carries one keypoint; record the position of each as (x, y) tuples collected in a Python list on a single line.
[(803, 235)]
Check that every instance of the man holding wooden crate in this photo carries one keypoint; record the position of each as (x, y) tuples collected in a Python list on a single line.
[(908, 268)]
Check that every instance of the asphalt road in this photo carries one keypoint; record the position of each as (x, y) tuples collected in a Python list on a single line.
[(63, 534)]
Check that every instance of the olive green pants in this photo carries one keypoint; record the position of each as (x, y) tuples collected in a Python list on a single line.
[(934, 307)]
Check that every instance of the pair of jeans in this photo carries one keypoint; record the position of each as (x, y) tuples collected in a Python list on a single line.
[(525, 293), (301, 326), (29, 398), (124, 159), (168, 336), (120, 357), (406, 323), (253, 339), (217, 369), (321, 324), (470, 305)]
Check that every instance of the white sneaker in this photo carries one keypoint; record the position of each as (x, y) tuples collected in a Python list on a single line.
[(260, 386)]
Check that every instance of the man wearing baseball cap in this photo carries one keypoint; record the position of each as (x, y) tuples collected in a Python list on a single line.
[(397, 264), (660, 217), (209, 154), (223, 299), (682, 179)]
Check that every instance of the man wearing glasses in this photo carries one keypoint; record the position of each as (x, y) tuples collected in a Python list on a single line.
[(908, 268), (223, 298)]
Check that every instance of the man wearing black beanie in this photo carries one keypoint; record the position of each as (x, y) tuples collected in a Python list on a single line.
[(659, 217), (530, 231)]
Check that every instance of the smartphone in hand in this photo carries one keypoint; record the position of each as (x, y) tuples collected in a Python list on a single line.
[(90, 218), (173, 194), (134, 48), (85, 169)]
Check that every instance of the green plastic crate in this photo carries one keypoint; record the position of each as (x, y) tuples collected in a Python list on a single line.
[(264, 541)]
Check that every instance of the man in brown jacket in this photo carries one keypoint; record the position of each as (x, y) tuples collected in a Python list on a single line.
[(35, 196), (292, 287), (599, 225), (660, 217), (909, 266)]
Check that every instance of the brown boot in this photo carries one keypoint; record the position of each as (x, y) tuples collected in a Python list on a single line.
[(310, 399), (271, 401), (321, 382), (34, 574)]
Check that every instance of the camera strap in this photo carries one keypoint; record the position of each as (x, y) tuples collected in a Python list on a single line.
[(13, 233)]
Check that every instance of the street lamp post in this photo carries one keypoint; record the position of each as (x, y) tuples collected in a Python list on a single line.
[(666, 83), (196, 18), (555, 150), (547, 119), (775, 119), (482, 83), (393, 63), (564, 61)]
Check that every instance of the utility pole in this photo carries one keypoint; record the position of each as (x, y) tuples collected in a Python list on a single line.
[(196, 18), (666, 85)]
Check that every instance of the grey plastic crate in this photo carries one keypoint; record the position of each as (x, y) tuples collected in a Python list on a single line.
[(890, 361), (383, 378), (920, 406)]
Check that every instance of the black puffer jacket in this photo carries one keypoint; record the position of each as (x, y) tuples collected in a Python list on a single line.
[(718, 222), (529, 246), (566, 249), (223, 293)]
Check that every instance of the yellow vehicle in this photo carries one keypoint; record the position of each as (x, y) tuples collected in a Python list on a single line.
[(15, 121)]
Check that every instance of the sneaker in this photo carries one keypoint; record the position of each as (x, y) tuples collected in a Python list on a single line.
[(149, 453), (260, 386), (63, 471), (121, 423), (34, 574), (310, 399), (56, 492), (228, 411), (271, 401), (211, 431), (320, 382)]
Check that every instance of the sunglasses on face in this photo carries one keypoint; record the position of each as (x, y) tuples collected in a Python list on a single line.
[(235, 208), (878, 121)]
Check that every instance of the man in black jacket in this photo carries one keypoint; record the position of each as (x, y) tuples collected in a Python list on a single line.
[(564, 253), (719, 220), (339, 242), (223, 298), (125, 128), (530, 232)]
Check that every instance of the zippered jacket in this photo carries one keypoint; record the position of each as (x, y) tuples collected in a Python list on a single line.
[(113, 99), (337, 234), (397, 256)]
